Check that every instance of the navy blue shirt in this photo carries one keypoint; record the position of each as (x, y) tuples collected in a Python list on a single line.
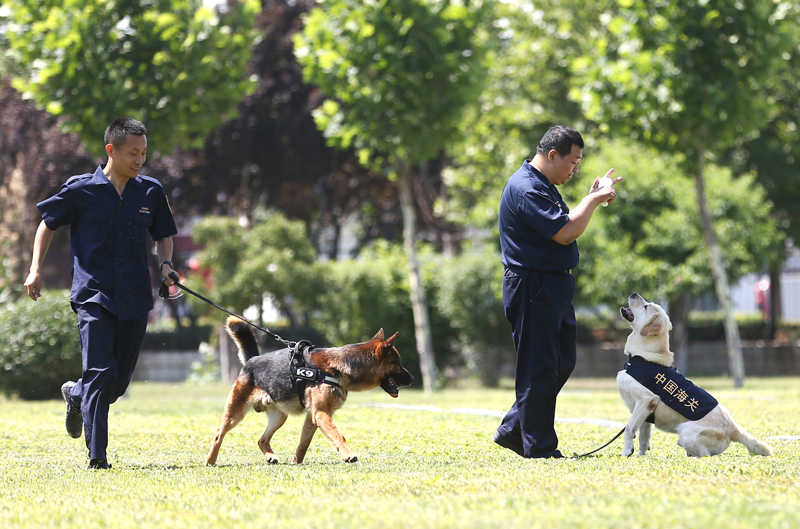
[(531, 212), (108, 238)]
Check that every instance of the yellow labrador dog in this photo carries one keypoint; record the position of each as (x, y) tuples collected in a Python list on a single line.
[(655, 392)]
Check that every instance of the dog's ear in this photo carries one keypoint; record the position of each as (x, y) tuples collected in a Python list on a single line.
[(653, 327), (378, 336), (390, 341)]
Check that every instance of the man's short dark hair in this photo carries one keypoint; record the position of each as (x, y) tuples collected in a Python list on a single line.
[(561, 139), (117, 132)]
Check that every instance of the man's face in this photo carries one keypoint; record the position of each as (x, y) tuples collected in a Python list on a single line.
[(130, 156), (562, 169)]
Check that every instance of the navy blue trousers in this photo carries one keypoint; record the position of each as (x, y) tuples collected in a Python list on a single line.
[(539, 307), (109, 349)]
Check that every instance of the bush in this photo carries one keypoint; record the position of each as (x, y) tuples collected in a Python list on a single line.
[(372, 292), (470, 294), (39, 346)]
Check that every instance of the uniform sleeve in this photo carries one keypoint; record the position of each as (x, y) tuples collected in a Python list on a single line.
[(163, 222), (59, 209), (542, 213)]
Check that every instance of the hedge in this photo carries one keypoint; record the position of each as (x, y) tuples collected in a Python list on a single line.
[(39, 346)]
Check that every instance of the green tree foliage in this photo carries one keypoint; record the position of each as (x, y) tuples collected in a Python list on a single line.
[(531, 47), (775, 154), (174, 64), (687, 77), (684, 76), (652, 241), (39, 346), (398, 74), (272, 155), (273, 257)]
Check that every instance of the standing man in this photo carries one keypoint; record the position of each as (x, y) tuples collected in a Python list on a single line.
[(537, 238), (110, 213)]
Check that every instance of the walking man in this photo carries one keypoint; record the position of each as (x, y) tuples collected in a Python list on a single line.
[(538, 235), (110, 213)]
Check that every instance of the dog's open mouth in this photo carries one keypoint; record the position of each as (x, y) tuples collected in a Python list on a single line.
[(626, 313), (389, 386)]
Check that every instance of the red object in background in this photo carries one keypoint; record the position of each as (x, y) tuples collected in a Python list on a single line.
[(762, 294)]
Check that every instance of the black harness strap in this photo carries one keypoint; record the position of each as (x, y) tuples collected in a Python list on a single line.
[(303, 374)]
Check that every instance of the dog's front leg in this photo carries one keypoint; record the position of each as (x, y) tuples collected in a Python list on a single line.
[(309, 429), (324, 420), (645, 433), (641, 410)]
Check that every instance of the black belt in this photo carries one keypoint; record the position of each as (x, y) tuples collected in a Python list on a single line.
[(559, 271)]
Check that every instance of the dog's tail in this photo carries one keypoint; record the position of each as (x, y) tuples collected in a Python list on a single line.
[(754, 446), (243, 335)]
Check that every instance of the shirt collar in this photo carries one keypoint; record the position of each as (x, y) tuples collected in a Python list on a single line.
[(100, 178), (529, 166)]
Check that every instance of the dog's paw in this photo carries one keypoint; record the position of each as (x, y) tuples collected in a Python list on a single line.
[(627, 450)]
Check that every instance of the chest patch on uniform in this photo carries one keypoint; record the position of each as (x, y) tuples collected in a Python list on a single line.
[(674, 389), (144, 209)]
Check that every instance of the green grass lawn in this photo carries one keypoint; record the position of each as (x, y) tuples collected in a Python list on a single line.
[(417, 468)]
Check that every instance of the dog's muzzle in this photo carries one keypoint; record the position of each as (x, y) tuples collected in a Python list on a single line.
[(390, 386)]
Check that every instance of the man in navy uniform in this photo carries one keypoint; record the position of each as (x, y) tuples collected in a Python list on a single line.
[(111, 212), (537, 237)]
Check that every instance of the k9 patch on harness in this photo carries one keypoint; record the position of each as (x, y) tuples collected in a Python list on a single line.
[(674, 389)]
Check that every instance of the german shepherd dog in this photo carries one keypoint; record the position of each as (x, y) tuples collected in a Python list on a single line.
[(265, 384)]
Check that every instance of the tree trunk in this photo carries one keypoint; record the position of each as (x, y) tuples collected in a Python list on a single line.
[(422, 326), (679, 316), (735, 357)]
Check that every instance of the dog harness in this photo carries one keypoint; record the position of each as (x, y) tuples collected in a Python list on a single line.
[(303, 373), (674, 389)]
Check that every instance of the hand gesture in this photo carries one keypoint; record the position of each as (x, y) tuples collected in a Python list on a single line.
[(604, 189)]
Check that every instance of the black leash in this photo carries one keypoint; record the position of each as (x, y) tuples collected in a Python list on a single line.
[(163, 292), (301, 373), (598, 449)]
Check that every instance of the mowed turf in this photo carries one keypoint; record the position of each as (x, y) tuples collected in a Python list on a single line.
[(417, 468)]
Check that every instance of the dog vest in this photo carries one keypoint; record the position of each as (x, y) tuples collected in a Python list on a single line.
[(674, 389)]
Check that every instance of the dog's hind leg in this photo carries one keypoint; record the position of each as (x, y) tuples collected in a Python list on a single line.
[(641, 410), (754, 446), (309, 429), (236, 407), (276, 420)]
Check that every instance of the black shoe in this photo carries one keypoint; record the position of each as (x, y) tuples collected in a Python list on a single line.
[(99, 463), (548, 454), (515, 445), (74, 420)]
